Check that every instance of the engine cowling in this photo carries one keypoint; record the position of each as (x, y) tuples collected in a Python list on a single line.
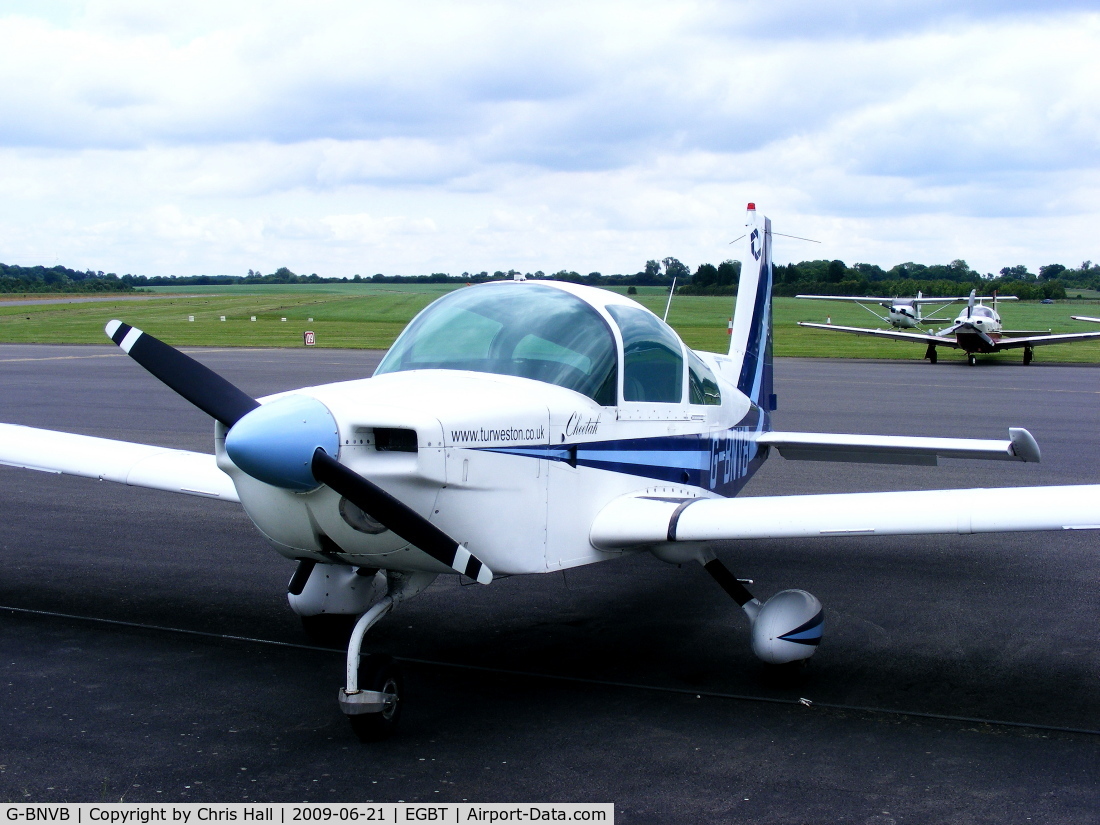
[(788, 627)]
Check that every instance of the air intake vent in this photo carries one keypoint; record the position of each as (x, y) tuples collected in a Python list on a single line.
[(387, 440)]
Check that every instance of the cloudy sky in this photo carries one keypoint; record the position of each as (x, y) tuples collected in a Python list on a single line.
[(415, 137)]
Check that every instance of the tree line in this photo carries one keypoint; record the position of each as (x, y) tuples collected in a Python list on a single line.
[(823, 277), (58, 279), (938, 280), (655, 273), (819, 277)]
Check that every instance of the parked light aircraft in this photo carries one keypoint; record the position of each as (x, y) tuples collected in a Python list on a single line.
[(574, 408), (901, 313), (977, 330)]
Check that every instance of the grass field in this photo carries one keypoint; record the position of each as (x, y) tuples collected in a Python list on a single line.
[(372, 315)]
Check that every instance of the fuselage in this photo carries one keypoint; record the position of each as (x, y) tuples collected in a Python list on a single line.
[(977, 329), (510, 414), (903, 314)]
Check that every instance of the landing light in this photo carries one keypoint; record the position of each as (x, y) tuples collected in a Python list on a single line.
[(358, 520)]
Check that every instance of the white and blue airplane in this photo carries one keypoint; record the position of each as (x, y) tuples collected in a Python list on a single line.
[(977, 329), (901, 313), (574, 410)]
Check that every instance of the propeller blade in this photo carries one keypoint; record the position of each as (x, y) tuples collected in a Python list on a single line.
[(198, 384), (398, 517), (274, 446)]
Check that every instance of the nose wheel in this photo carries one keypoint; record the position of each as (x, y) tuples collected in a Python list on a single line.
[(971, 359), (380, 675)]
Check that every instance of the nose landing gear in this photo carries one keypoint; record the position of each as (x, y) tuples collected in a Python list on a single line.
[(372, 694)]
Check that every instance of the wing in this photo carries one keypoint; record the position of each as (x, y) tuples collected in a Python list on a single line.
[(640, 521), (896, 335), (1085, 318), (888, 449), (872, 299), (1042, 340), (850, 299), (139, 465)]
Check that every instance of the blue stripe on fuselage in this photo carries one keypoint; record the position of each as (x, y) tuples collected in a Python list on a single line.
[(721, 462)]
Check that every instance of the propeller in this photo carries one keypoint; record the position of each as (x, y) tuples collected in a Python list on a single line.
[(291, 442), (201, 386)]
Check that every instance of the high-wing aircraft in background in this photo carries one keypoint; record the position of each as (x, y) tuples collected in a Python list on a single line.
[(901, 313), (977, 330), (527, 427)]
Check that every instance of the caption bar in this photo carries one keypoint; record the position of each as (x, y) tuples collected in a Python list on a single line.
[(194, 813)]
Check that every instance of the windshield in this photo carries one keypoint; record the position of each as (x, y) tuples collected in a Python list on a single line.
[(527, 330)]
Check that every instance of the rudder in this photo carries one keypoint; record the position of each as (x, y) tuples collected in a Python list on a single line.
[(751, 331)]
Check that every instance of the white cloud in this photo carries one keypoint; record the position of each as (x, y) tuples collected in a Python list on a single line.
[(212, 137)]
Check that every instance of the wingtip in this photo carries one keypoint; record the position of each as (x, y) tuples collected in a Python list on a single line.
[(1024, 445)]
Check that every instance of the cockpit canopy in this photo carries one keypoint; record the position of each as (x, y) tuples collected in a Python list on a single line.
[(534, 332), (551, 335)]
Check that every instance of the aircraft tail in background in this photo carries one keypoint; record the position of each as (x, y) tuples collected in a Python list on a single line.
[(751, 330)]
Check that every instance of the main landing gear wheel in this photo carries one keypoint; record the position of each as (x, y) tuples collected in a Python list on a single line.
[(379, 673), (1028, 354), (786, 629), (930, 354), (971, 359)]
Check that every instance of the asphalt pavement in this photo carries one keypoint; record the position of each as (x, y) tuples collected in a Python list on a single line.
[(148, 652)]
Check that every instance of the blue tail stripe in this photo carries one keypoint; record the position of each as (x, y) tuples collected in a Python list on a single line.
[(755, 379), (756, 346)]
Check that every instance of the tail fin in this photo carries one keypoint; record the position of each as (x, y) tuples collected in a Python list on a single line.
[(751, 331)]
